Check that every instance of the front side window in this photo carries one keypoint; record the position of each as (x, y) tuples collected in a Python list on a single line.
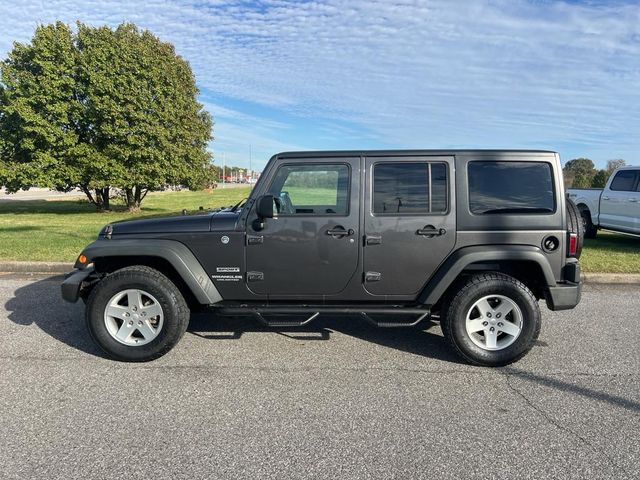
[(624, 181), (312, 189), (511, 187), (412, 188)]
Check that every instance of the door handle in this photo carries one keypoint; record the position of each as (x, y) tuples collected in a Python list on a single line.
[(606, 198), (430, 231), (373, 240), (340, 232)]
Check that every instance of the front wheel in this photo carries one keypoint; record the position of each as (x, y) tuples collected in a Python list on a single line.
[(136, 314), (491, 320)]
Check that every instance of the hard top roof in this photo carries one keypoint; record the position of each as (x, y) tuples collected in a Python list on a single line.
[(391, 153)]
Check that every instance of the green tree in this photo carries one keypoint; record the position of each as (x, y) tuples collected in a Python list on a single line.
[(582, 170), (600, 179), (582, 181), (97, 109)]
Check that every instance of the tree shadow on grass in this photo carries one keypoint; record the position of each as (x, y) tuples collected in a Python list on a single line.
[(19, 228), (61, 207)]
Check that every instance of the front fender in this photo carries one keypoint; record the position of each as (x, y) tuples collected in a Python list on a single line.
[(461, 259), (176, 253)]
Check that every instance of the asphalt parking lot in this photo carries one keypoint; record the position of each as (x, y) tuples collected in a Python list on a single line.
[(340, 399)]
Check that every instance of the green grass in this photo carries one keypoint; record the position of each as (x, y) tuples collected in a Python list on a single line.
[(312, 196), (611, 252), (57, 230)]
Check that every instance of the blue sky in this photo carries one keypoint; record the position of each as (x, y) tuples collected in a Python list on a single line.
[(289, 75)]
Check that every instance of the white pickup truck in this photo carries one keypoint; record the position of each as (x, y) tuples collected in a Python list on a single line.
[(616, 207)]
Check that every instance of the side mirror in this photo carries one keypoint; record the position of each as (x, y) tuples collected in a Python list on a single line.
[(265, 206)]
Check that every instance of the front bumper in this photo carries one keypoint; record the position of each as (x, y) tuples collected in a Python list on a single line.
[(563, 296), (73, 283)]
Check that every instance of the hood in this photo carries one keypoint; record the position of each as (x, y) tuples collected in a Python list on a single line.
[(222, 220)]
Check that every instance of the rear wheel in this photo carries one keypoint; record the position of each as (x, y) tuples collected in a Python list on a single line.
[(590, 230), (136, 314), (491, 320)]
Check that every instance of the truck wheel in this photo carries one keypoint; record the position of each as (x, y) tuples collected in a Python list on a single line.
[(136, 314), (491, 320), (575, 225), (590, 230)]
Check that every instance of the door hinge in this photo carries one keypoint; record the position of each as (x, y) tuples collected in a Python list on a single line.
[(255, 276), (255, 239), (372, 276)]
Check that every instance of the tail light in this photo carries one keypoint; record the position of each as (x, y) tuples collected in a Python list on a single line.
[(573, 245)]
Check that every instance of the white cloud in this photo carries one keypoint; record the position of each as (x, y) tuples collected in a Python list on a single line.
[(408, 73)]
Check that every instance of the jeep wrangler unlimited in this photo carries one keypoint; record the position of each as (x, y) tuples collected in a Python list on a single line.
[(473, 239)]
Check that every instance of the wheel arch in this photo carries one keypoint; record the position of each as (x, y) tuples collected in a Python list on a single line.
[(525, 263), (170, 257)]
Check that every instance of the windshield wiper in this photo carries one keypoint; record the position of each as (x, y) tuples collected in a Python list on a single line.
[(239, 204)]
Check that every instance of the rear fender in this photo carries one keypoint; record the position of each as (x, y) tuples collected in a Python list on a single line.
[(462, 258)]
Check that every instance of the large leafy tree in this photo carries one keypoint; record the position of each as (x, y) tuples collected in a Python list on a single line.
[(579, 172), (100, 108)]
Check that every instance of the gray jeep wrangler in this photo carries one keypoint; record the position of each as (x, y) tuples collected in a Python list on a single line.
[(473, 239)]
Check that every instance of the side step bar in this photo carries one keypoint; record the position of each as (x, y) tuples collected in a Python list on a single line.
[(314, 312)]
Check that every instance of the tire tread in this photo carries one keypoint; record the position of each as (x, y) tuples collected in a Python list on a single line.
[(455, 298), (131, 274)]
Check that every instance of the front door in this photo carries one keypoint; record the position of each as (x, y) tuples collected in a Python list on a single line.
[(409, 222), (311, 249)]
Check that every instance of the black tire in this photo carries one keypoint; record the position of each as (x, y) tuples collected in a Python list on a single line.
[(461, 301), (590, 230), (575, 225), (174, 309)]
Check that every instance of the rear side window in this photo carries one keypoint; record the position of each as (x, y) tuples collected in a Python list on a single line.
[(511, 187), (624, 181), (409, 188)]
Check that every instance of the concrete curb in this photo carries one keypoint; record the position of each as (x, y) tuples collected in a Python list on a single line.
[(612, 278), (35, 267), (63, 267)]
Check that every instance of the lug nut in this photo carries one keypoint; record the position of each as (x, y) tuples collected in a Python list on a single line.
[(492, 329), (134, 308), (127, 314), (130, 322), (485, 323), (498, 315), (489, 315), (500, 324), (139, 322)]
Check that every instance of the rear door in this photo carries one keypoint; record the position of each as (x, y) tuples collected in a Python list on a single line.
[(618, 203), (409, 221)]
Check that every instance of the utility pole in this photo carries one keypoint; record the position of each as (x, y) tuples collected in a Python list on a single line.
[(250, 169), (223, 170)]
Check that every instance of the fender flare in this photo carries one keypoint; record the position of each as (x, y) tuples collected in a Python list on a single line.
[(174, 252), (462, 258)]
